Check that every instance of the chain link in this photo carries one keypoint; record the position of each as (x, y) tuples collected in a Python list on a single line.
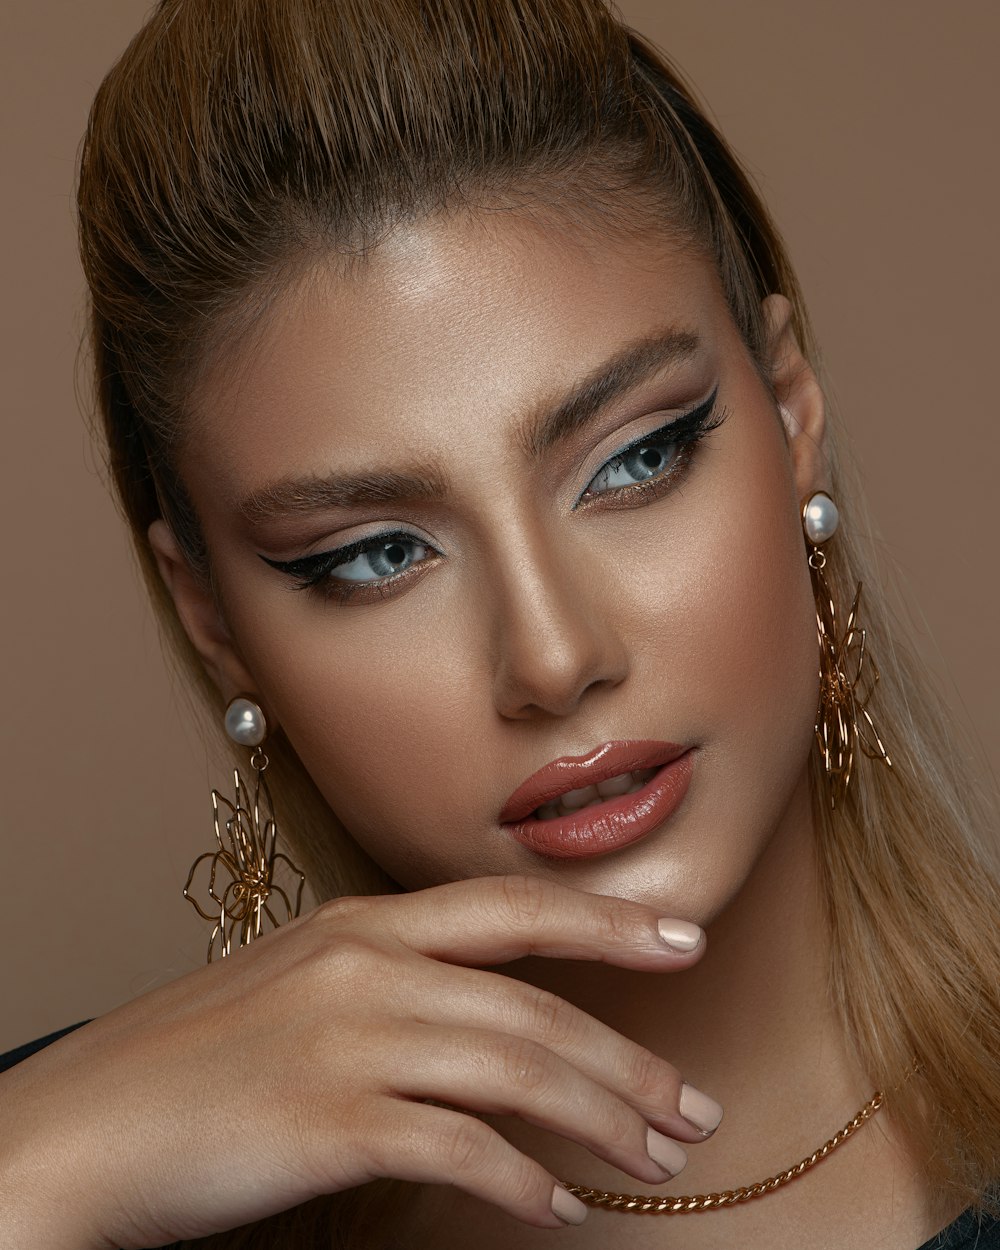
[(669, 1205)]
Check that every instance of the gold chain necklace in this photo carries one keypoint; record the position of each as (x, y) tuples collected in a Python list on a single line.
[(668, 1205)]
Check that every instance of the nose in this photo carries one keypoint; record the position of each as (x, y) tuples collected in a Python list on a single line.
[(555, 632)]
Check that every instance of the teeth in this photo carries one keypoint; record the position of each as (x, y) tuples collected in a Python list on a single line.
[(614, 786), (579, 800), (574, 800)]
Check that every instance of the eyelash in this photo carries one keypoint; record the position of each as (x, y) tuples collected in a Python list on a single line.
[(682, 434), (314, 572)]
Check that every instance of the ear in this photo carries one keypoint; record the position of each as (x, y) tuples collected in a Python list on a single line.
[(800, 399), (200, 615)]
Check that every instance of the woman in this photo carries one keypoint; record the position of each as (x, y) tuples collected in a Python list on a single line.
[(457, 391)]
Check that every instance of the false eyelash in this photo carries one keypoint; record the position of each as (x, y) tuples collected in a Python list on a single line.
[(685, 432), (313, 572), (310, 571)]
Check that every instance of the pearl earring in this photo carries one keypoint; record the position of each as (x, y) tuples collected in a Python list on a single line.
[(847, 673), (820, 518), (246, 833), (245, 723)]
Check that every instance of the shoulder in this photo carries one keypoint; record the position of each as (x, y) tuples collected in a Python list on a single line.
[(20, 1053)]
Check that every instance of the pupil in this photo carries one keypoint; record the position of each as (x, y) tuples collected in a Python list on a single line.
[(395, 553), (650, 458)]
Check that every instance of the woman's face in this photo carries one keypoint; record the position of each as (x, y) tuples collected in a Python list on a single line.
[(465, 391)]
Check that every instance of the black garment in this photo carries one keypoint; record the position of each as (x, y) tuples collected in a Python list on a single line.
[(968, 1232), (22, 1052)]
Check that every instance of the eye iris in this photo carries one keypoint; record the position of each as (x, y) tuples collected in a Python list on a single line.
[(390, 558), (645, 462)]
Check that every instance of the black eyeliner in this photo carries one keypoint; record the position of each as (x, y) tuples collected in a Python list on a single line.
[(690, 425), (685, 431), (311, 570)]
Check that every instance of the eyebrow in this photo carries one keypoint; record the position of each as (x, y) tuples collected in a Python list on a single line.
[(634, 364), (550, 424)]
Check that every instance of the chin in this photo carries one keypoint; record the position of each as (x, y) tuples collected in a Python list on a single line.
[(703, 861)]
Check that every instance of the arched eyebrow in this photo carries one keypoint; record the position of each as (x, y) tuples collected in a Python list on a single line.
[(554, 421), (627, 369)]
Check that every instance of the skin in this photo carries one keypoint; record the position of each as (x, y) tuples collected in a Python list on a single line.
[(543, 628)]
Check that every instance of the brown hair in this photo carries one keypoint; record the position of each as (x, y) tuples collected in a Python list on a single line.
[(237, 141)]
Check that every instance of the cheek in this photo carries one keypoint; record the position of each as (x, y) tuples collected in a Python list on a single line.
[(712, 600), (739, 654), (722, 607), (386, 723), (722, 622), (762, 666)]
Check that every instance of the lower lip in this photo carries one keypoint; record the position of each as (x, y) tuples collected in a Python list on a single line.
[(609, 826)]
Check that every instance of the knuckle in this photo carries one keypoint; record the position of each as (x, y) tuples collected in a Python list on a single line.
[(467, 1147), (346, 945), (550, 1018), (352, 958), (614, 923), (524, 900), (522, 1182), (649, 1077), (619, 1129), (337, 911), (526, 1064)]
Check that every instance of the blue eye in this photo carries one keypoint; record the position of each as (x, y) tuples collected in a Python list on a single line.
[(376, 567), (656, 459), (638, 464), (365, 565), (380, 559)]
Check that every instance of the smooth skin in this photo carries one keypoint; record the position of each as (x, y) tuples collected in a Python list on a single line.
[(538, 618), (296, 1067)]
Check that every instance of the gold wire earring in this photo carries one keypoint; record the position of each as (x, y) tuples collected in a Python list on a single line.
[(247, 835), (848, 675)]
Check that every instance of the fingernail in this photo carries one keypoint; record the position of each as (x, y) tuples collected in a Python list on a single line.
[(700, 1111), (679, 934), (665, 1152), (567, 1207)]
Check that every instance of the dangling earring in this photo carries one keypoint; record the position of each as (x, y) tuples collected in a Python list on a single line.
[(247, 834), (848, 675)]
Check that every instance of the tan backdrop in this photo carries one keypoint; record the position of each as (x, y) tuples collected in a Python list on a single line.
[(872, 128)]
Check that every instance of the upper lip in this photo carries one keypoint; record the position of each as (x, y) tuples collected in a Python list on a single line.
[(573, 772)]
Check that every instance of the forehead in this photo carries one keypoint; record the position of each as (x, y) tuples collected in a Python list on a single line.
[(462, 318)]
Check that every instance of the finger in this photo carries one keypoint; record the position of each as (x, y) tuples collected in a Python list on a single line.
[(432, 1145), (463, 998), (494, 920), (504, 1075)]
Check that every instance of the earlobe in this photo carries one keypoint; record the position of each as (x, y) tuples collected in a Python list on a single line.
[(199, 614), (801, 404)]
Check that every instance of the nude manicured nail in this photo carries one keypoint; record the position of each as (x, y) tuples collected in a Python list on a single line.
[(567, 1207), (679, 934), (700, 1111), (665, 1152)]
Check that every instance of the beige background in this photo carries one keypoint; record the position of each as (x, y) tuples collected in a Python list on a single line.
[(872, 128)]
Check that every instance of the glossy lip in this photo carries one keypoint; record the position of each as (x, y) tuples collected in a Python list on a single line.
[(573, 772), (605, 826)]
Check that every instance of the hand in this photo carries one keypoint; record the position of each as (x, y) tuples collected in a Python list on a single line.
[(298, 1065)]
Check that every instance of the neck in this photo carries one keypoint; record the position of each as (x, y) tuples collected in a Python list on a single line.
[(752, 1024)]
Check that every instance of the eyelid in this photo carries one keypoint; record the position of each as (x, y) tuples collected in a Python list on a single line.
[(688, 427), (315, 568)]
